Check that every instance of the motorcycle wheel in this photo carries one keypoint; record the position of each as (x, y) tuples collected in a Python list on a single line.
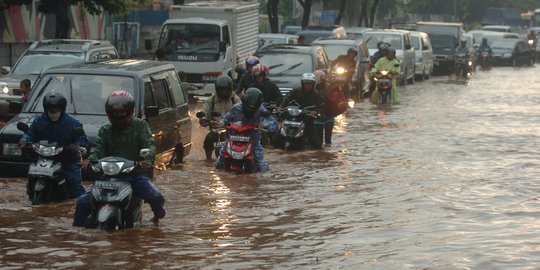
[(38, 197), (248, 166), (109, 225), (227, 164), (287, 145)]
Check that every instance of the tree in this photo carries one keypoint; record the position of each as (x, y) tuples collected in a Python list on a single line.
[(340, 12), (60, 8), (372, 12), (272, 11), (306, 6)]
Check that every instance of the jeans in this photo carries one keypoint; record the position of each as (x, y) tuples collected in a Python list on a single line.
[(142, 188), (72, 173)]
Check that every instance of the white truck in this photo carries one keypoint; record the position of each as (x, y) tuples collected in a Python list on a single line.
[(206, 39), (444, 38)]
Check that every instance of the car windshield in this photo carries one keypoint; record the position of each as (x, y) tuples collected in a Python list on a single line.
[(373, 39), (34, 62), (86, 93), (416, 43), (287, 64), (263, 41), (335, 50), (503, 45)]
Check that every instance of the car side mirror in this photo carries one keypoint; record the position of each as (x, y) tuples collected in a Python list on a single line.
[(222, 46), (151, 111), (148, 44), (15, 107), (145, 152), (22, 127), (5, 70)]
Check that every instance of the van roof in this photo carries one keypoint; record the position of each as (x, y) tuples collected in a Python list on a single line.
[(113, 66)]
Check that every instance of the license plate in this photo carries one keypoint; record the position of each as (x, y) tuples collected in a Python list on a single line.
[(43, 168), (218, 144), (292, 123)]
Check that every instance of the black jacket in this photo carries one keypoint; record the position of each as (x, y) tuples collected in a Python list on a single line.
[(270, 92), (310, 100)]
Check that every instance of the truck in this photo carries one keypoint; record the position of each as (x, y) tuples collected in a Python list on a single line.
[(444, 38), (206, 39)]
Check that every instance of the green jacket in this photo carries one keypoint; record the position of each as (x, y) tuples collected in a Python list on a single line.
[(126, 142), (385, 64)]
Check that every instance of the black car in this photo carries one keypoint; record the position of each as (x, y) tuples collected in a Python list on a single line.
[(160, 100), (287, 63), (514, 52)]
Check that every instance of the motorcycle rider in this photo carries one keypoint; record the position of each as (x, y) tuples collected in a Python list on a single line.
[(309, 99), (391, 64), (251, 111), (124, 137), (271, 92), (380, 53), (325, 123), (247, 79), (56, 125), (484, 47), (531, 38), (348, 61), (463, 52), (221, 101)]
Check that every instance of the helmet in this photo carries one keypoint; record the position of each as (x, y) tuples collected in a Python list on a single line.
[(391, 51), (260, 70), (119, 107), (54, 99), (224, 86), (320, 76), (251, 101), (308, 78), (352, 50), (382, 47), (251, 61), (484, 40)]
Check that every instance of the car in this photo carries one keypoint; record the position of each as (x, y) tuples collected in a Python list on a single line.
[(401, 41), (498, 28), (514, 52), (493, 36), (356, 32), (291, 29), (314, 32), (423, 55), (44, 54), (160, 100), (337, 47), (288, 62), (270, 38)]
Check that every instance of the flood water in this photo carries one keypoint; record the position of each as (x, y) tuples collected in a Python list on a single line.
[(448, 179)]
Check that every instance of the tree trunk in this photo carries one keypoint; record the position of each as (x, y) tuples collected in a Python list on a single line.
[(372, 12), (274, 23), (62, 22), (306, 5), (363, 8), (340, 12)]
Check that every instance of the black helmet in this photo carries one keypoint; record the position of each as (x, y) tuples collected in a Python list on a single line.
[(391, 51), (119, 107), (54, 99), (352, 50), (224, 86), (251, 101)]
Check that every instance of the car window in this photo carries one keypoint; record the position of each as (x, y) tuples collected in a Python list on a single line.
[(426, 43), (34, 62), (416, 43), (335, 50), (176, 88), (372, 39), (226, 35), (149, 98), (162, 94), (86, 93)]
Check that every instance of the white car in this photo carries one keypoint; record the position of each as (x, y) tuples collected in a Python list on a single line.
[(423, 55)]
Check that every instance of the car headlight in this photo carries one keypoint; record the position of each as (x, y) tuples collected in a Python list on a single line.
[(4, 88), (11, 149)]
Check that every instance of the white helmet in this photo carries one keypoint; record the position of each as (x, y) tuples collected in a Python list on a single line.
[(309, 78)]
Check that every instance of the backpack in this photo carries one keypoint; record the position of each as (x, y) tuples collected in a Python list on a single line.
[(335, 101)]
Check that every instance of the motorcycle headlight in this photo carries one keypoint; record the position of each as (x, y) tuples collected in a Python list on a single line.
[(11, 149), (530, 42), (47, 151), (111, 168), (384, 72), (340, 70), (293, 111), (470, 63)]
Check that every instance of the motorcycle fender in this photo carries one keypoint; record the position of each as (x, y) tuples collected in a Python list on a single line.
[(39, 185), (107, 211)]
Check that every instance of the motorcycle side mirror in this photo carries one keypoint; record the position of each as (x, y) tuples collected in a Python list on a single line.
[(215, 114), (145, 152), (22, 126), (76, 133), (200, 114), (396, 65)]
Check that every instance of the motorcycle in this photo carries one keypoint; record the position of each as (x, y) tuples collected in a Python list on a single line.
[(341, 76), (238, 151), (291, 131), (463, 65), (383, 89), (218, 135), (46, 182), (485, 60), (114, 206)]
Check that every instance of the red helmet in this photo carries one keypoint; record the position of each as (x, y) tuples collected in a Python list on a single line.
[(120, 108), (261, 70)]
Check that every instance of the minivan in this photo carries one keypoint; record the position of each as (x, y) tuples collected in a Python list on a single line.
[(160, 100), (399, 40), (423, 55), (314, 32)]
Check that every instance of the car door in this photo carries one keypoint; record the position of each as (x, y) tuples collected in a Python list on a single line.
[(182, 119)]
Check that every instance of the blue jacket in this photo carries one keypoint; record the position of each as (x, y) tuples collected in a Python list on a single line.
[(236, 114), (42, 128)]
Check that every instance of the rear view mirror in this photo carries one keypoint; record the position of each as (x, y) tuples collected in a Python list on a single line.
[(151, 111), (145, 152), (5, 70), (22, 126)]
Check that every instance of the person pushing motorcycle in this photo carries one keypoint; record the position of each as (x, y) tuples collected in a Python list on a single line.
[(390, 63), (56, 125), (124, 137)]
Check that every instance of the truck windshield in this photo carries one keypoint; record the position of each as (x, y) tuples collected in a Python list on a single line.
[(184, 41), (443, 42)]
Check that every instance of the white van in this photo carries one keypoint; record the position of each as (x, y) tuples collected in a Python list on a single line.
[(423, 55), (399, 40)]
